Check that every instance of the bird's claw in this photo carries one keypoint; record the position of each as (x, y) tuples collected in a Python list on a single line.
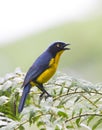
[(41, 97), (48, 95)]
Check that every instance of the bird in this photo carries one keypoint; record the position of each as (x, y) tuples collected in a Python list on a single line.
[(42, 70)]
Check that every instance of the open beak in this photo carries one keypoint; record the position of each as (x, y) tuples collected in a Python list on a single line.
[(65, 47)]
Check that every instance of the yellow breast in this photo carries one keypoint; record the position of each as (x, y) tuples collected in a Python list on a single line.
[(48, 73)]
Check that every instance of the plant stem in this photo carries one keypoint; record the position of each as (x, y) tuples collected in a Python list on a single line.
[(83, 115)]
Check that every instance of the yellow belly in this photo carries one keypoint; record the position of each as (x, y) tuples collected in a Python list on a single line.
[(46, 75)]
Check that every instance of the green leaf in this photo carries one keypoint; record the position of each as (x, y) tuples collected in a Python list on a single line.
[(43, 129), (78, 122), (61, 91), (97, 100), (77, 99), (62, 114), (35, 119), (90, 119), (73, 113), (97, 124), (31, 117), (21, 127), (40, 123), (69, 126), (80, 112), (54, 92), (57, 128)]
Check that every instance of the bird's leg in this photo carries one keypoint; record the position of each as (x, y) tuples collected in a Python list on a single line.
[(41, 96), (41, 87)]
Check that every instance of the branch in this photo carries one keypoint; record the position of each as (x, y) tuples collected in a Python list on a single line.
[(89, 100), (83, 115), (71, 93), (26, 121)]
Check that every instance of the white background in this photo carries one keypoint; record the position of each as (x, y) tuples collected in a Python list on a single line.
[(22, 17)]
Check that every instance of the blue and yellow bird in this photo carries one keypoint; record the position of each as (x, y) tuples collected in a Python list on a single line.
[(42, 70)]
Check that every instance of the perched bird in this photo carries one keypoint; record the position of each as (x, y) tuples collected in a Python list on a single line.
[(42, 70)]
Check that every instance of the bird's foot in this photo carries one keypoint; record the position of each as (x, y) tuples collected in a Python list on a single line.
[(47, 96), (42, 95)]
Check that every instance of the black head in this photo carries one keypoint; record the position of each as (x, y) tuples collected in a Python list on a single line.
[(57, 47)]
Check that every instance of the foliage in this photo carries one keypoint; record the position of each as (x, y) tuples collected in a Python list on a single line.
[(75, 103)]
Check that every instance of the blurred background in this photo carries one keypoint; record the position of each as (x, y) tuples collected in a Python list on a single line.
[(27, 27)]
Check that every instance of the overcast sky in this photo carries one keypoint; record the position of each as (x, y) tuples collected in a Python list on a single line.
[(22, 17)]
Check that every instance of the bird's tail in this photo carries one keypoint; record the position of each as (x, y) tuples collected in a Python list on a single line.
[(23, 98)]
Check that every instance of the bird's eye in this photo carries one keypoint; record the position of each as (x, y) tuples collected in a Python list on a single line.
[(58, 45)]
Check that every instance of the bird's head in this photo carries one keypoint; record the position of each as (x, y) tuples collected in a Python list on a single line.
[(58, 46)]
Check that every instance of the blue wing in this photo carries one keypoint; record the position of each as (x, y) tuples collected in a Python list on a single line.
[(38, 67)]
